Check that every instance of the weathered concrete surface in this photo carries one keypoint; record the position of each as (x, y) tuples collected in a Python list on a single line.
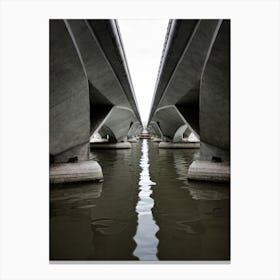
[(69, 96), (169, 120), (120, 145), (156, 139), (193, 88), (90, 84), (90, 91), (135, 129), (214, 113), (154, 129), (209, 171), (183, 133), (116, 124), (179, 85), (105, 63), (75, 172), (186, 145), (112, 98), (132, 140)]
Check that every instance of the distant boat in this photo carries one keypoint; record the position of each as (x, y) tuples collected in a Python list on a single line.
[(145, 136)]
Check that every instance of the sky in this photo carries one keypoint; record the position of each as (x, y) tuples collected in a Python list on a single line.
[(143, 42)]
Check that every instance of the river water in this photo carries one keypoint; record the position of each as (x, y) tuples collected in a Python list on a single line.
[(145, 209)]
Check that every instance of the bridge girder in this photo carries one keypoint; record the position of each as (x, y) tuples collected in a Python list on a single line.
[(90, 85), (193, 85)]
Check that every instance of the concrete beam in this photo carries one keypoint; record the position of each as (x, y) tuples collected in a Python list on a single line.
[(69, 97), (155, 129), (116, 124), (171, 121), (103, 55), (134, 129), (178, 35), (193, 87), (181, 85), (90, 91), (214, 113), (183, 133)]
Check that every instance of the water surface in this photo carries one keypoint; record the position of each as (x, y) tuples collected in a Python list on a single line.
[(145, 209)]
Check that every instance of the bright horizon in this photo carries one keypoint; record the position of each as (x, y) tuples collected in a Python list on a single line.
[(143, 42)]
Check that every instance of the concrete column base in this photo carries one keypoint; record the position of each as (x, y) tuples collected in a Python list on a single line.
[(76, 172), (170, 145), (209, 171), (156, 140), (132, 140), (121, 145)]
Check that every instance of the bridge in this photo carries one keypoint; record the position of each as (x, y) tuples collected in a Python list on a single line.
[(93, 105), (192, 94), (91, 93)]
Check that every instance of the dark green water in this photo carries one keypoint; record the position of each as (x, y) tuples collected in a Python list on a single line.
[(144, 210)]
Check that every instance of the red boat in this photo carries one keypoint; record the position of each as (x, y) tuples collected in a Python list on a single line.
[(145, 136)]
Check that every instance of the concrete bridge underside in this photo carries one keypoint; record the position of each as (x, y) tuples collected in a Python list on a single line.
[(193, 92), (90, 92)]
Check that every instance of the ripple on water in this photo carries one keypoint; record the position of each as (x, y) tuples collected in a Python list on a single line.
[(145, 237)]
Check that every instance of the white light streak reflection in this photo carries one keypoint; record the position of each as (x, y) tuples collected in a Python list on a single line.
[(145, 237)]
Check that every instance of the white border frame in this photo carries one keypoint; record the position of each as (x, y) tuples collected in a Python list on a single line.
[(254, 127)]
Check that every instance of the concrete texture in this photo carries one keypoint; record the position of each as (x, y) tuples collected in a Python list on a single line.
[(183, 133), (168, 120), (186, 145), (193, 87), (135, 129), (214, 113), (178, 35), (180, 88), (74, 154), (107, 71), (75, 172), (156, 140), (90, 88), (209, 171), (132, 140), (122, 145), (69, 96), (116, 124), (154, 129), (90, 92), (181, 85)]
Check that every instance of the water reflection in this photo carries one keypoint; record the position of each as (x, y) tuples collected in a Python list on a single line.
[(74, 196), (127, 218), (90, 221), (145, 237), (198, 190), (193, 217)]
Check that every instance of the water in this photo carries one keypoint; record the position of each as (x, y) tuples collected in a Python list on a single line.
[(145, 209), (145, 237)]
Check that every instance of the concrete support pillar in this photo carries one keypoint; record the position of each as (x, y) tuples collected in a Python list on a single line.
[(214, 111), (76, 172), (132, 140), (156, 139), (69, 110), (209, 171), (74, 165)]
